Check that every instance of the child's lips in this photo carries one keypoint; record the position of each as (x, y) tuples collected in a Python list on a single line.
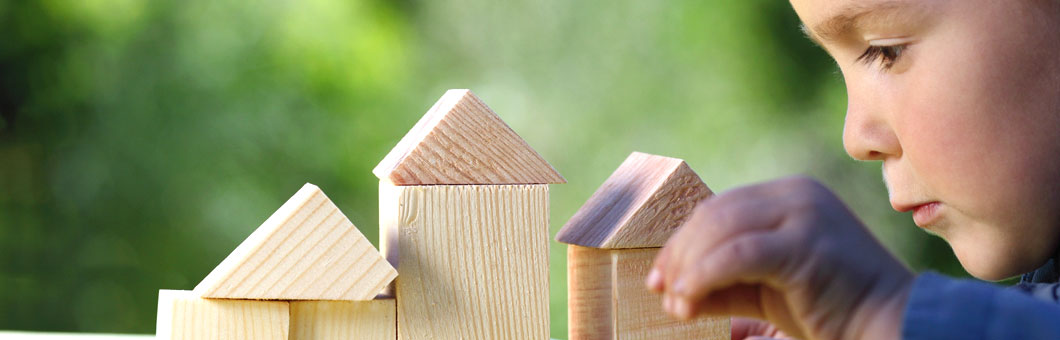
[(926, 214)]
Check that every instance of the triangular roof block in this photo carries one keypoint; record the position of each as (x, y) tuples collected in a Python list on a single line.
[(644, 201), (461, 141), (307, 250)]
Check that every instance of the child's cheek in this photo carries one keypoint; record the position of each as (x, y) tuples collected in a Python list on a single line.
[(989, 158)]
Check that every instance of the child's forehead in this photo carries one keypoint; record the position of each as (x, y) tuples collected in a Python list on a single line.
[(831, 18)]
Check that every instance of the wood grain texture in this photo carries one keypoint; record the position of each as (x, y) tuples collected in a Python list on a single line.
[(590, 294), (639, 311), (609, 299), (462, 141), (183, 315), (307, 250), (473, 260), (643, 202), (12, 335), (19, 335), (343, 320)]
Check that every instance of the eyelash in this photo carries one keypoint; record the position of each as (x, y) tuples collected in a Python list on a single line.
[(886, 55)]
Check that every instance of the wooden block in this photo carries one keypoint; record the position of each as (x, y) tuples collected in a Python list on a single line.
[(473, 260), (608, 299), (462, 141), (630, 216), (590, 294), (342, 320), (307, 250), (643, 202), (183, 315), (20, 335)]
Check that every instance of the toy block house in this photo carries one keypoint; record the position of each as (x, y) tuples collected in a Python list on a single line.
[(463, 206), (613, 240), (305, 273)]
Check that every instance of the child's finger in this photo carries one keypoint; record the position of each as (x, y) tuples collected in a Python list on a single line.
[(745, 328), (742, 328), (749, 258), (738, 300), (655, 280), (746, 209), (746, 301), (715, 222)]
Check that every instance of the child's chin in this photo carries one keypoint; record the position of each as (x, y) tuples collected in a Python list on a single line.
[(995, 251), (988, 275), (989, 264)]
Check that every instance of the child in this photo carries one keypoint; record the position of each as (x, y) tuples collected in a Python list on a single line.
[(960, 101)]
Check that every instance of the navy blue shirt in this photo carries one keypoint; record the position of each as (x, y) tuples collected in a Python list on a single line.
[(945, 308)]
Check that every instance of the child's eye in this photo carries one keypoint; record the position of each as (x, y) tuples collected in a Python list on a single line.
[(886, 55)]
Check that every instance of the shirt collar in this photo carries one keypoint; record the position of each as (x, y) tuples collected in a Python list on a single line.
[(1047, 273)]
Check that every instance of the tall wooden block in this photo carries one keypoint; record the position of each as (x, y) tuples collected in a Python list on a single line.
[(307, 250), (464, 216), (344, 320), (608, 299), (473, 259), (183, 315)]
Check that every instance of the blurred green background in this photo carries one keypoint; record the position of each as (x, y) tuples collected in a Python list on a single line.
[(141, 141)]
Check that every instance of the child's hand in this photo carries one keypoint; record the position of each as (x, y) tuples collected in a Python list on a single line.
[(788, 252), (754, 329)]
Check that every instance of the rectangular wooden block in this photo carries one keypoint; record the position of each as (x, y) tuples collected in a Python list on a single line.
[(608, 299), (590, 294), (473, 259), (343, 320), (183, 315)]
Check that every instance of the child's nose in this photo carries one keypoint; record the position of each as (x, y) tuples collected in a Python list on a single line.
[(867, 136)]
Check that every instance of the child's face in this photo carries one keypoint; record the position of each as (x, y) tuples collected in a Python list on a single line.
[(960, 100)]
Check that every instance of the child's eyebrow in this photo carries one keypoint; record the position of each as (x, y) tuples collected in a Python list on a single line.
[(853, 17), (809, 35)]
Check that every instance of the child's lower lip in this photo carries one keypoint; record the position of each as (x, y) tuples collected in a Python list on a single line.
[(925, 214)]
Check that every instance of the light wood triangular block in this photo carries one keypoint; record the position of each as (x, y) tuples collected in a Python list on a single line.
[(643, 202), (461, 141), (307, 250)]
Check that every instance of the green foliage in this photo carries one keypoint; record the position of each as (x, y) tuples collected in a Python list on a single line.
[(141, 141)]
